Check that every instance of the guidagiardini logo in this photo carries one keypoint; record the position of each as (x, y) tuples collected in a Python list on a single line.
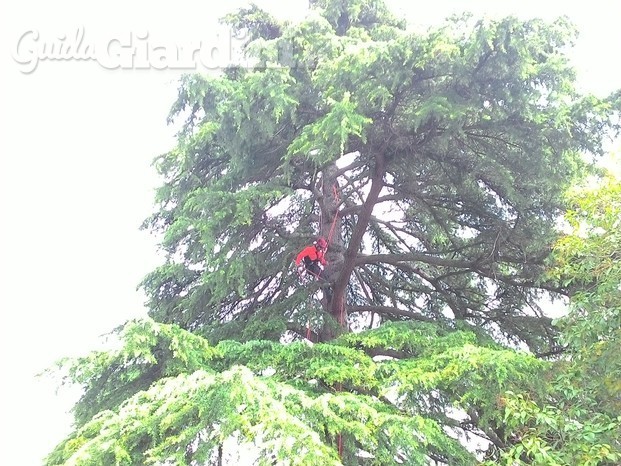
[(129, 51)]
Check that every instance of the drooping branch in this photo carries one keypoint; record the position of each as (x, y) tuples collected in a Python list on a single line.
[(390, 310)]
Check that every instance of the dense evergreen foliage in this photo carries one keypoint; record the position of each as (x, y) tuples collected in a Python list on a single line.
[(437, 164), (294, 401), (465, 139)]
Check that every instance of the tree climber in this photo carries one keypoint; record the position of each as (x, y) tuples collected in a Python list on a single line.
[(312, 260), (313, 257)]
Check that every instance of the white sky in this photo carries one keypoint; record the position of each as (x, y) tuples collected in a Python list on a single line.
[(76, 145)]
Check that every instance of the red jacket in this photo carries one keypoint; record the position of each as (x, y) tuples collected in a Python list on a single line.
[(313, 254)]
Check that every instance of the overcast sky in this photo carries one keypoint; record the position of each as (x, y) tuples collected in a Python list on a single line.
[(77, 141)]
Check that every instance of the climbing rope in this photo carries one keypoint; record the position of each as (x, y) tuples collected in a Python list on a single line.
[(328, 240), (336, 215)]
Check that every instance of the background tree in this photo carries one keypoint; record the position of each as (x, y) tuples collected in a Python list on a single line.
[(460, 143), (579, 422)]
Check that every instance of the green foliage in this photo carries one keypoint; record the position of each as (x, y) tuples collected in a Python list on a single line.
[(588, 260), (579, 422), (290, 400), (328, 136), (255, 22), (149, 351), (468, 137), (549, 435), (474, 129), (365, 14)]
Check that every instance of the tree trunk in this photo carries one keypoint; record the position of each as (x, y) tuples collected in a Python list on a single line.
[(220, 456), (342, 261), (331, 230)]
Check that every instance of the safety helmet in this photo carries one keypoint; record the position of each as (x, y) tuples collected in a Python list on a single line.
[(321, 243)]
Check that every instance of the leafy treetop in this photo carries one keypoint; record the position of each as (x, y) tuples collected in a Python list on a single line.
[(464, 138)]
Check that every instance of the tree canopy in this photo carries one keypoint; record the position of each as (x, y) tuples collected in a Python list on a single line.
[(464, 139), (437, 165)]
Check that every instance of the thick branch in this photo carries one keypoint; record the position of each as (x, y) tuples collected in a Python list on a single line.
[(349, 263)]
